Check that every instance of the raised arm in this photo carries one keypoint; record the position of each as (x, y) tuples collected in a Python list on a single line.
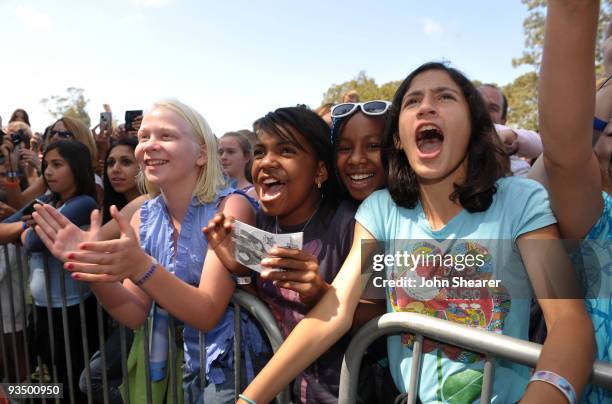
[(325, 324), (569, 348), (566, 107)]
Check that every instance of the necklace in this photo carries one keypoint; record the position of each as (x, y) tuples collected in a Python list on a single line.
[(307, 222)]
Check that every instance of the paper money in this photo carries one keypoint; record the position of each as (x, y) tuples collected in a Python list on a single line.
[(251, 244)]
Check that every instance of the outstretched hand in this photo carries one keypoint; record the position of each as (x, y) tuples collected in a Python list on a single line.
[(111, 260), (59, 234), (219, 236)]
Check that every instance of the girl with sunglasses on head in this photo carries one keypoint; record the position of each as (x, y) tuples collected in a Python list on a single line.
[(236, 160), (357, 137), (576, 169), (446, 189), (162, 264), (67, 172), (293, 177)]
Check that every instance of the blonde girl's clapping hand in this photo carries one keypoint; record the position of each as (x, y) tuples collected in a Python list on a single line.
[(59, 234), (112, 260)]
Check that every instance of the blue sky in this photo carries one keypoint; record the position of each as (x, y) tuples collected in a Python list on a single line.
[(236, 60)]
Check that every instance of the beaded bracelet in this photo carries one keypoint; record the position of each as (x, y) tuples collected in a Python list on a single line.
[(147, 274), (558, 381), (245, 398)]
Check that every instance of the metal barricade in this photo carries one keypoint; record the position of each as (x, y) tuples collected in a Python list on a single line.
[(80, 377), (262, 314), (489, 344)]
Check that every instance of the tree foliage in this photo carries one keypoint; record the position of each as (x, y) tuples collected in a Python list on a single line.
[(522, 92), (72, 104), (365, 86), (533, 27), (522, 95)]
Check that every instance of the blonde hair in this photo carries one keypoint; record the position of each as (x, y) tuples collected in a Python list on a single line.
[(82, 134), (210, 179)]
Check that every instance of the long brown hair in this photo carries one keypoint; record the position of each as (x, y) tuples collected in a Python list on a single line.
[(487, 162)]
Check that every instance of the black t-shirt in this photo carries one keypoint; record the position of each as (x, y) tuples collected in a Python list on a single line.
[(331, 244)]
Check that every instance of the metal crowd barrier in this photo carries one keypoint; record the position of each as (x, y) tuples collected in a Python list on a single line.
[(21, 298), (492, 346)]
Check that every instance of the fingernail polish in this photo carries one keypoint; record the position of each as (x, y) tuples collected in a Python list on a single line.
[(69, 266), (70, 256)]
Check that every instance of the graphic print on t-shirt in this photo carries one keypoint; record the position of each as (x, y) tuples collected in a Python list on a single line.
[(480, 307)]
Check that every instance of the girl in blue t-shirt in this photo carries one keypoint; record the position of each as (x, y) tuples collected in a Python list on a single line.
[(161, 264), (576, 173), (67, 173), (445, 183)]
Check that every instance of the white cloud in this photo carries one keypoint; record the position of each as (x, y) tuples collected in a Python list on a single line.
[(153, 3), (33, 19), (432, 27)]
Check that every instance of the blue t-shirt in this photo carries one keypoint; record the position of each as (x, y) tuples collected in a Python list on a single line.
[(596, 254), (450, 374), (78, 211)]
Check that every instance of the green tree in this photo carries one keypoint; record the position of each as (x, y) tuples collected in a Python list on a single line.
[(533, 27), (365, 86), (523, 101), (522, 92), (72, 104)]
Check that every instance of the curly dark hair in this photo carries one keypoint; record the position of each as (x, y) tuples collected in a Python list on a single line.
[(284, 123), (486, 160)]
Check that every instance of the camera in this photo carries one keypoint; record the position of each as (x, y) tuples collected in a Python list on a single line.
[(19, 137)]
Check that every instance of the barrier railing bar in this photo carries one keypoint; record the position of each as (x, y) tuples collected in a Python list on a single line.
[(124, 370), (237, 353), (85, 342), (5, 364), (13, 317), (50, 321), (485, 342), (100, 320), (149, 389), (172, 362), (487, 379), (38, 359), (262, 314), (202, 347), (20, 274), (417, 359), (67, 350)]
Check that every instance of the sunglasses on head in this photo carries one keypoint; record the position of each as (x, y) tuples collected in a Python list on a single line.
[(63, 134), (368, 108)]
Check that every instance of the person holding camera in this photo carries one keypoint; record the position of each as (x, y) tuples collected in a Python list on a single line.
[(21, 163)]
